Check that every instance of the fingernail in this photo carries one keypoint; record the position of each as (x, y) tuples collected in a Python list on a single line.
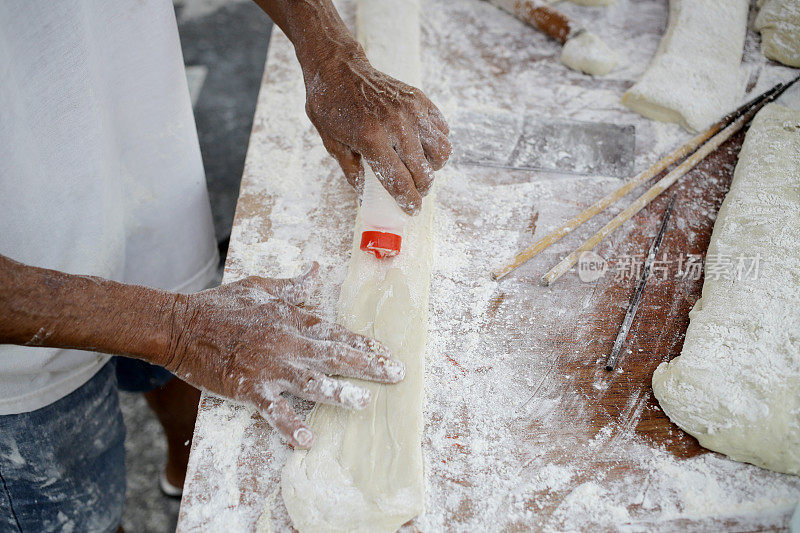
[(303, 437), (395, 370), (411, 207), (379, 348)]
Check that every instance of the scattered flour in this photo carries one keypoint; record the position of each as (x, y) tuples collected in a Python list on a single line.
[(509, 440)]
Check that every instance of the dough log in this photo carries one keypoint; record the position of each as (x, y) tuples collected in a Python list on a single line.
[(779, 24), (695, 76), (736, 384)]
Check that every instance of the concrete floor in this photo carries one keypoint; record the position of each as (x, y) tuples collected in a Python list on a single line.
[(146, 509), (229, 38), (224, 47)]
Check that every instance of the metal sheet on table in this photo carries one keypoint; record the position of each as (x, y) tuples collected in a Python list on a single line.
[(506, 140)]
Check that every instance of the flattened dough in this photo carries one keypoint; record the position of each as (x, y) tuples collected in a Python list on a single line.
[(365, 470), (696, 75), (779, 24), (736, 384)]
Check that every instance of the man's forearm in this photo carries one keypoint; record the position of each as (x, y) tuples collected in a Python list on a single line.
[(41, 307), (361, 114), (314, 27)]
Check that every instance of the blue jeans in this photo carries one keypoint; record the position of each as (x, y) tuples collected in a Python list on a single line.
[(62, 467)]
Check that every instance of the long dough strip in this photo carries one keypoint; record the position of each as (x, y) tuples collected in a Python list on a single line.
[(365, 470)]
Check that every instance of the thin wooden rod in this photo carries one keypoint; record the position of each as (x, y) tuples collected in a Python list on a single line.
[(661, 185), (636, 181)]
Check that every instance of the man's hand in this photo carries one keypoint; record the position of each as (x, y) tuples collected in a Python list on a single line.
[(361, 113), (250, 341)]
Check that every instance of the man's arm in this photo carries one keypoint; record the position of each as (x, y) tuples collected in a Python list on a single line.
[(48, 308), (248, 340), (358, 111)]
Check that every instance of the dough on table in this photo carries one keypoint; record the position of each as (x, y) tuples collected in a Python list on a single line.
[(778, 22), (365, 469), (736, 384), (587, 53), (695, 76)]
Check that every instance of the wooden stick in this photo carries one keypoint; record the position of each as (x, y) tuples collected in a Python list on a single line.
[(604, 202), (635, 182), (661, 185), (541, 16)]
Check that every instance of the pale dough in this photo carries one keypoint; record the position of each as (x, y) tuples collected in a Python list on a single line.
[(696, 75), (736, 384), (779, 24), (587, 53), (365, 470)]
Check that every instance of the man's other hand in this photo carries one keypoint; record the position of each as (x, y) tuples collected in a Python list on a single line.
[(363, 114), (250, 341)]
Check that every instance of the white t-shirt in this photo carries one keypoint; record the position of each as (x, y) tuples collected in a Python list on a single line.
[(100, 168)]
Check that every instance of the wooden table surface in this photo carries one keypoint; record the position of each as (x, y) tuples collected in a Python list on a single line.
[(524, 428)]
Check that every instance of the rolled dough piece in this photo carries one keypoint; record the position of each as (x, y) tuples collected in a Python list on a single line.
[(696, 75), (779, 25), (365, 470), (587, 53), (736, 384)]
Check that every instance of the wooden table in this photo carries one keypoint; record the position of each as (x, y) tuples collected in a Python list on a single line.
[(525, 430)]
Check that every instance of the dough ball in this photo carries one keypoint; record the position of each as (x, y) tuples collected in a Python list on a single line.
[(587, 53)]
